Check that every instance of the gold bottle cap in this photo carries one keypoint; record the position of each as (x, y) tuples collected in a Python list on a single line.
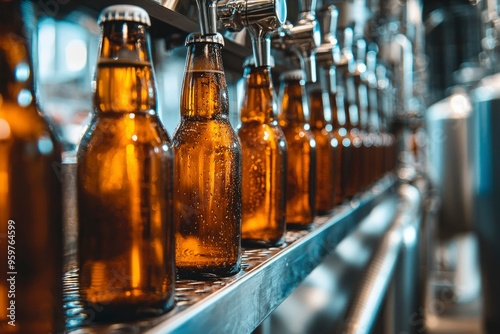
[(197, 37), (124, 13), (292, 75)]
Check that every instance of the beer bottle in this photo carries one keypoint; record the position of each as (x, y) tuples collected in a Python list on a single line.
[(208, 168), (326, 148), (30, 191), (301, 157), (124, 180), (264, 151)]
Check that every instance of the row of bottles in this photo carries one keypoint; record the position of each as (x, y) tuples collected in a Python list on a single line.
[(150, 206)]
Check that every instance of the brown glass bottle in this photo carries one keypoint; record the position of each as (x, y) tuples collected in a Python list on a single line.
[(124, 181), (208, 168), (263, 148), (301, 157), (30, 191), (326, 148)]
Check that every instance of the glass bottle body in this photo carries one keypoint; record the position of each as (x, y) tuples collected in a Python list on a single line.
[(301, 157), (208, 177), (30, 191), (263, 148), (326, 152), (124, 184)]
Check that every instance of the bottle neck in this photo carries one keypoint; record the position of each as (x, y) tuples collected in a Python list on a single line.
[(259, 104), (319, 106), (204, 93), (124, 81), (294, 106), (16, 71)]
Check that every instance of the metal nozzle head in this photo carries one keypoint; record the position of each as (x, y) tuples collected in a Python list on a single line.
[(207, 15), (260, 17), (307, 6), (327, 18), (328, 53)]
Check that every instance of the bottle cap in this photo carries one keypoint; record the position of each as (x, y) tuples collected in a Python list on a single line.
[(292, 75), (197, 37), (124, 13)]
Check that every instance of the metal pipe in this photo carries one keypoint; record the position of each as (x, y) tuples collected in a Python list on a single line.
[(207, 15)]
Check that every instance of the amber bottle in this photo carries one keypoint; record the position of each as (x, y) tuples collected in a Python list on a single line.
[(263, 148), (301, 158), (208, 168), (124, 180), (30, 191), (326, 148)]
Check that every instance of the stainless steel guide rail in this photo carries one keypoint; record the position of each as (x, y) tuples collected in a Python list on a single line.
[(238, 304)]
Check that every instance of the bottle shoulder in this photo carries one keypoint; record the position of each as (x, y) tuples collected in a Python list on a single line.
[(195, 132), (117, 130), (298, 132), (322, 134), (22, 121), (253, 134)]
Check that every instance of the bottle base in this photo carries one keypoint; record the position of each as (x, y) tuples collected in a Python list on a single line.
[(260, 243), (322, 212), (299, 226), (204, 273), (123, 312)]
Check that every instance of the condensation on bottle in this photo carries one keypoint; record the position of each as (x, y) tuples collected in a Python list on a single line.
[(125, 180), (301, 158), (264, 151), (208, 168)]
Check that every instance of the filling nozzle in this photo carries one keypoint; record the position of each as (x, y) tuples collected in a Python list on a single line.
[(302, 38), (371, 66), (328, 53), (207, 15), (360, 69), (260, 17), (307, 9), (347, 57)]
